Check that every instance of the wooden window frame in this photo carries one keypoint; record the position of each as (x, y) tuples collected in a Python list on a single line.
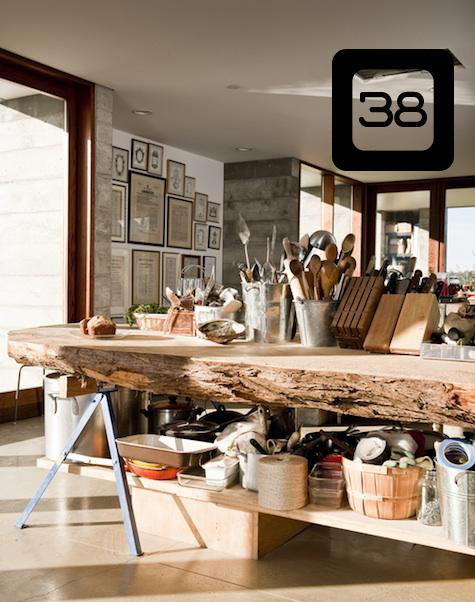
[(437, 188), (79, 96)]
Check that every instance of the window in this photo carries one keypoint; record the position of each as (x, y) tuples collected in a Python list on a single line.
[(311, 207), (342, 210), (459, 235), (402, 229)]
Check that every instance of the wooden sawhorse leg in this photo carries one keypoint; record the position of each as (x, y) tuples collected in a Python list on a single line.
[(104, 399)]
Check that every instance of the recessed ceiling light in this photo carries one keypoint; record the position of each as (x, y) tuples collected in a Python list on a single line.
[(141, 112), (234, 87), (244, 149)]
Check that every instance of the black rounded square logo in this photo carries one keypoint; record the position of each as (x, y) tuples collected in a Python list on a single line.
[(381, 114)]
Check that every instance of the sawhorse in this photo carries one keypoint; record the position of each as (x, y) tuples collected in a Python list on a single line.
[(104, 399)]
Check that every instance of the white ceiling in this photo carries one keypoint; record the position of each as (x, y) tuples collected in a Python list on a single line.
[(178, 57)]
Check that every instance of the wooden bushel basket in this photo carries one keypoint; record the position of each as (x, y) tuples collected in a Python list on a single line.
[(381, 491)]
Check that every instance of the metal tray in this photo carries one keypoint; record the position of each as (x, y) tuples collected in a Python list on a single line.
[(442, 351), (161, 449)]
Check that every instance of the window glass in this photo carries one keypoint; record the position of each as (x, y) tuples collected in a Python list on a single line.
[(460, 236), (402, 229)]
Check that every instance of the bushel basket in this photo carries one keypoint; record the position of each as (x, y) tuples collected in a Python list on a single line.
[(382, 491)]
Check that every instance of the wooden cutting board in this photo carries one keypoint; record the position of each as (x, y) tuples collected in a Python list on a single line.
[(418, 319), (384, 323)]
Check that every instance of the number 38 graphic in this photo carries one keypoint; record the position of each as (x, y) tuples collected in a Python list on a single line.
[(397, 116)]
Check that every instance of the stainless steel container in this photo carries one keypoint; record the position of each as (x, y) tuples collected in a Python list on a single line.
[(269, 312), (162, 410), (314, 319), (457, 501), (62, 416)]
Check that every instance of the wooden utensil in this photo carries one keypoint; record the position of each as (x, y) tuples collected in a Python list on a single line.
[(296, 268), (288, 248), (370, 266), (419, 317), (314, 268), (347, 246), (346, 268), (329, 273), (295, 283), (384, 323)]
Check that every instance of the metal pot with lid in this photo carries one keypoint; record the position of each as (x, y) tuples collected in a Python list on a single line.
[(164, 410)]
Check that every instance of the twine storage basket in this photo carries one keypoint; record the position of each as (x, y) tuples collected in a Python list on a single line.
[(382, 491), (282, 481)]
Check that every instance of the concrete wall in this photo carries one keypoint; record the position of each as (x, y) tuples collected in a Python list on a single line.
[(33, 202), (265, 193)]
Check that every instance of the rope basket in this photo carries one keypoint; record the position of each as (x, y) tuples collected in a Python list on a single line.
[(382, 491)]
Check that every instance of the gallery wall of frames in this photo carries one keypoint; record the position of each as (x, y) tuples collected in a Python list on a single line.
[(166, 219)]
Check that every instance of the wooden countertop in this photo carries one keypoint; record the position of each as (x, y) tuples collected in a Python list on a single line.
[(395, 387)]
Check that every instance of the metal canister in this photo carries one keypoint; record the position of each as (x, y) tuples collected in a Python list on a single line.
[(457, 500), (314, 319), (63, 414), (269, 312)]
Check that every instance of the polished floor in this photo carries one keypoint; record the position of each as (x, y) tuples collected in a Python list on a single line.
[(75, 550)]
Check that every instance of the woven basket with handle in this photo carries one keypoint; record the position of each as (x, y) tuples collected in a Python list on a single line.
[(381, 491)]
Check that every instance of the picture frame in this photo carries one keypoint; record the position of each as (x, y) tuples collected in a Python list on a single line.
[(213, 213), (209, 262), (201, 207), (120, 281), (214, 238), (146, 215), (119, 212), (171, 272), (155, 159), (200, 237), (190, 187), (180, 223), (145, 277), (186, 262), (120, 164), (176, 177), (139, 155)]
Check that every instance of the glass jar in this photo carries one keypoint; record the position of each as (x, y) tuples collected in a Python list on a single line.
[(429, 508)]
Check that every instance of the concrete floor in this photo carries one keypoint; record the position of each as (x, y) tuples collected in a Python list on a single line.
[(75, 550)]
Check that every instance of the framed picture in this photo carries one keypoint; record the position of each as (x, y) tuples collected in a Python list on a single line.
[(120, 280), (145, 277), (139, 155), (200, 237), (171, 268), (214, 238), (120, 164), (155, 159), (119, 212), (201, 207), (175, 178), (180, 220), (146, 209), (190, 187), (213, 212), (209, 263), (190, 266)]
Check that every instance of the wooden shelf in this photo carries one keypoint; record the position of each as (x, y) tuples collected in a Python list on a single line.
[(401, 530)]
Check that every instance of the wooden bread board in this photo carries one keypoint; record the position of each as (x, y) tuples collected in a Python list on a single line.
[(417, 321), (356, 310), (384, 323)]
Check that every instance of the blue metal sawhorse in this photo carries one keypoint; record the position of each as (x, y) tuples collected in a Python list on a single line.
[(102, 398)]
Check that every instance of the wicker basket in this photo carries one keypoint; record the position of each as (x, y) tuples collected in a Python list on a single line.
[(381, 491)]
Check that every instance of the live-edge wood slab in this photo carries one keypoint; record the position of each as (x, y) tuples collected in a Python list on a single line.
[(402, 388)]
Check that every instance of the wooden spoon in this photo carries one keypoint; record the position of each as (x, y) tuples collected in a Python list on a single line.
[(347, 246), (329, 272), (296, 268), (314, 266)]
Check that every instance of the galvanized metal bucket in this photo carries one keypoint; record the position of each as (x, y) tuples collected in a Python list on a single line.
[(269, 312), (457, 501), (314, 319)]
